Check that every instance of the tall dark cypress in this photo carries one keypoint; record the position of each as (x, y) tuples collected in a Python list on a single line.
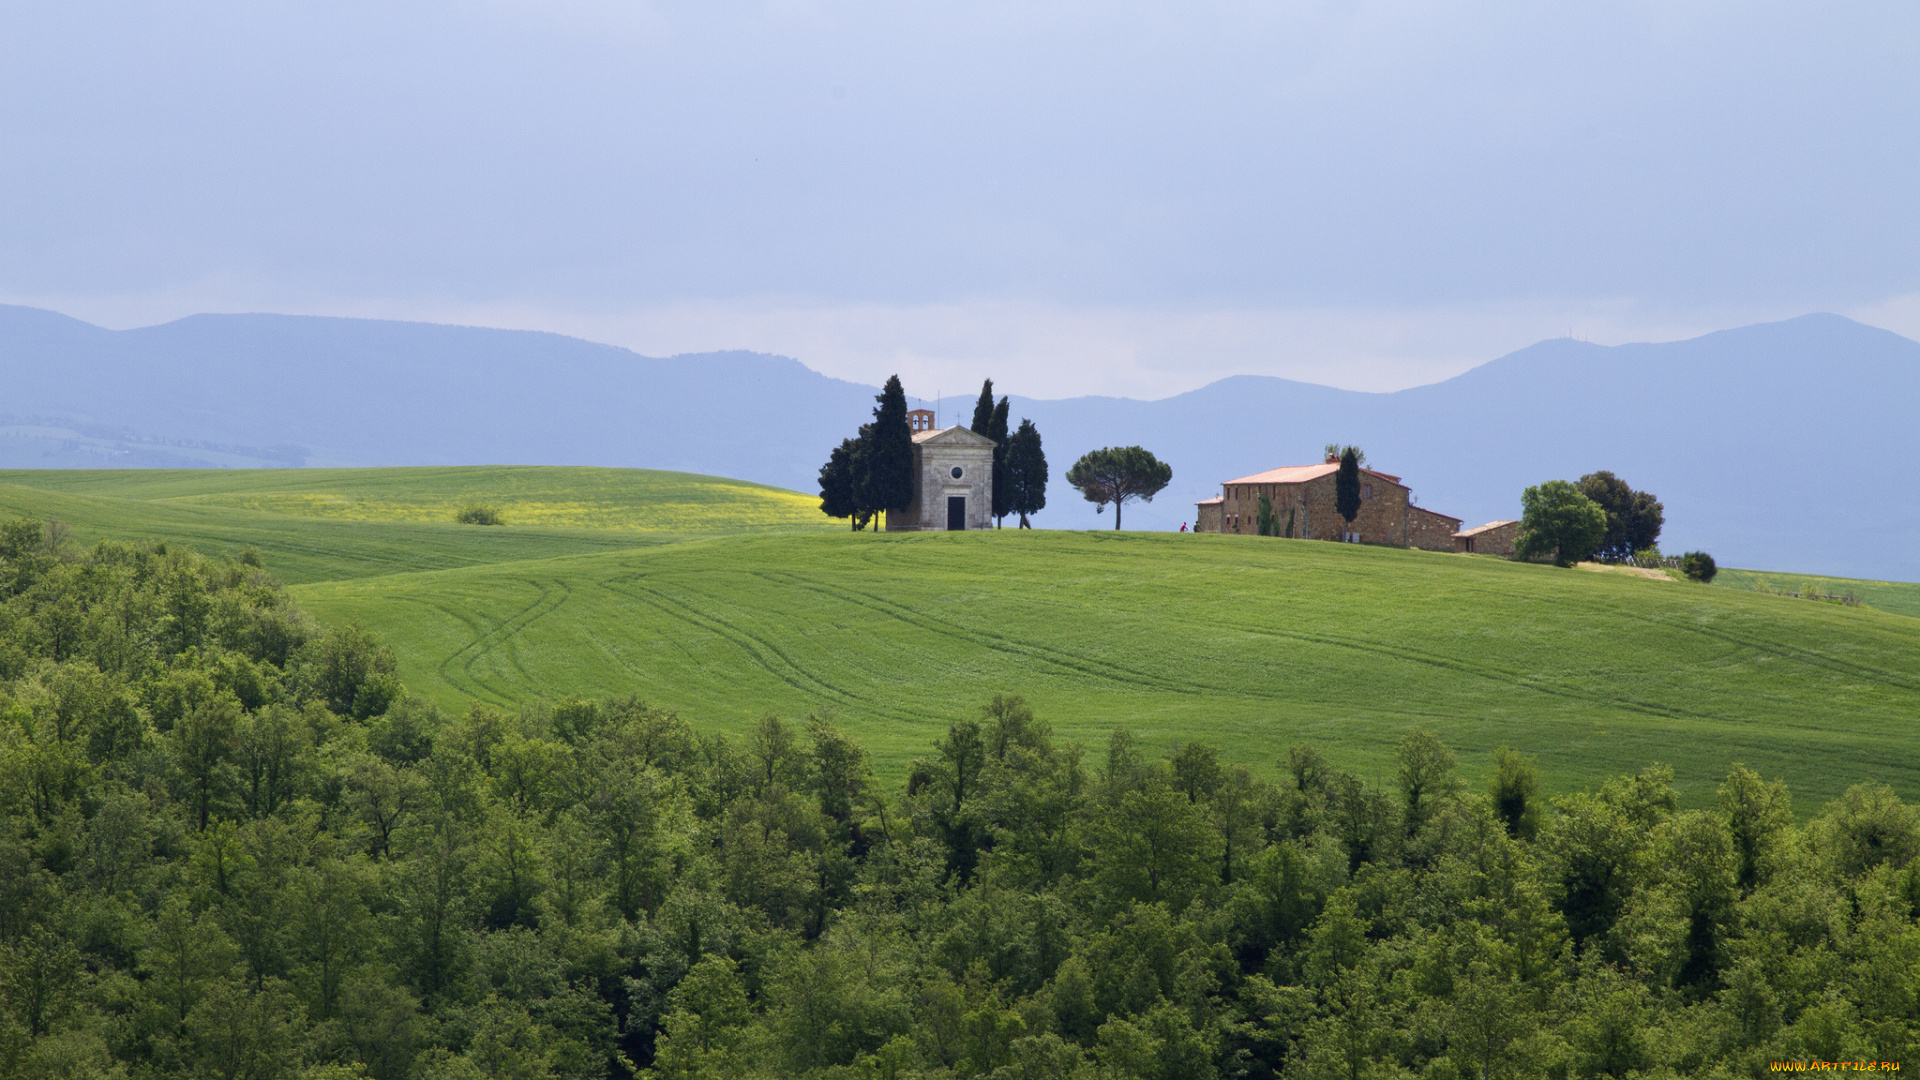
[(983, 411), (1002, 488), (1346, 486), (860, 462), (888, 483), (1026, 473)]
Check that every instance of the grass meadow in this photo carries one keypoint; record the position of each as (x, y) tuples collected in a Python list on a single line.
[(329, 524), (1900, 597), (721, 600)]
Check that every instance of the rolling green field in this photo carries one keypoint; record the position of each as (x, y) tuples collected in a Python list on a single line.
[(1900, 597), (329, 524), (721, 600)]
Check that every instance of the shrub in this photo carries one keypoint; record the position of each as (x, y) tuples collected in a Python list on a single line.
[(477, 514), (1698, 566)]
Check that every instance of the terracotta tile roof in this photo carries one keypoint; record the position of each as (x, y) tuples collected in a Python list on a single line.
[(1300, 474), (1488, 527), (1435, 513), (1212, 501)]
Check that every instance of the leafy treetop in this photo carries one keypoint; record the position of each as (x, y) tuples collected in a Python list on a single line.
[(1634, 518), (1118, 474), (1557, 520)]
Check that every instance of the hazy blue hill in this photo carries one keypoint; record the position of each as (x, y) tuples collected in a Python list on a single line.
[(366, 392), (1785, 446)]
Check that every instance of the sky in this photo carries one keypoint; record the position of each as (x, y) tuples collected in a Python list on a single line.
[(1073, 198)]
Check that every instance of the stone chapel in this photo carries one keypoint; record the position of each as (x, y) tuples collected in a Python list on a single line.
[(952, 479)]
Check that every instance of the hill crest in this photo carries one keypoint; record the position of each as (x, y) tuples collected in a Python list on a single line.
[(1737, 430)]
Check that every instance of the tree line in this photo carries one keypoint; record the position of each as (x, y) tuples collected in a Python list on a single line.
[(872, 473), (1601, 517), (232, 845)]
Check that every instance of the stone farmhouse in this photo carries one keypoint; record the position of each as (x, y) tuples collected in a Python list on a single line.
[(1304, 495), (952, 479)]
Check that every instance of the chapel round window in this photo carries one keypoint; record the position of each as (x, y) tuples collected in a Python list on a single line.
[(956, 472)]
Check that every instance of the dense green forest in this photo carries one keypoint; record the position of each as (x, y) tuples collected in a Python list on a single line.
[(231, 845)]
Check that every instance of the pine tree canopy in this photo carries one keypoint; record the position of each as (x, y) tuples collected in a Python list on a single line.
[(1118, 474)]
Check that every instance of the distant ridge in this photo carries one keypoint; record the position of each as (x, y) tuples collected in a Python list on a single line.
[(1786, 446)]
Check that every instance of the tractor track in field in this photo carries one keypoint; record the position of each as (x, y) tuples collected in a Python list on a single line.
[(1519, 680), (553, 594), (757, 647), (1060, 658), (1908, 680), (1084, 666), (464, 681), (1904, 680)]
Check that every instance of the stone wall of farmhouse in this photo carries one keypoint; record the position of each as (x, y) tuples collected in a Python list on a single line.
[(1496, 541), (1316, 516), (1386, 514), (1430, 531)]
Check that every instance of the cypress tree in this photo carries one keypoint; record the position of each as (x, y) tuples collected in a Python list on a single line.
[(997, 431), (887, 485), (1026, 473), (1346, 486), (860, 457), (1265, 524), (983, 411)]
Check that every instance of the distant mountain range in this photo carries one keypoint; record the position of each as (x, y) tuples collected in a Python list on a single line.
[(1788, 446)]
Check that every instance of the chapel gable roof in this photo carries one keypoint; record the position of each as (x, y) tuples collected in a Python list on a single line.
[(953, 436), (1488, 527)]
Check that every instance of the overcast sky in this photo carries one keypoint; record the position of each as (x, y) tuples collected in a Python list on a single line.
[(1072, 197)]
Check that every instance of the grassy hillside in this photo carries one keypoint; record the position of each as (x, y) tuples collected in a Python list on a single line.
[(729, 600), (1247, 643), (1899, 597), (329, 524)]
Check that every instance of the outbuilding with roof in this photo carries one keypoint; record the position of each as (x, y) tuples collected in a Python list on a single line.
[(1493, 538)]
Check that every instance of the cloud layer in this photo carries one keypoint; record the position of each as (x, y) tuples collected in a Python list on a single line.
[(1111, 198)]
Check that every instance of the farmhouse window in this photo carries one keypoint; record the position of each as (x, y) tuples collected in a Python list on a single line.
[(1366, 491)]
